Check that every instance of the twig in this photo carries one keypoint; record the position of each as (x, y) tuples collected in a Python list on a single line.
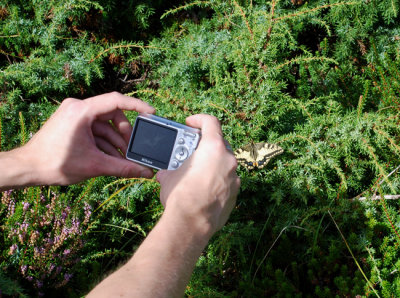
[(376, 198), (9, 36), (314, 9), (245, 19), (124, 46), (269, 31), (391, 173)]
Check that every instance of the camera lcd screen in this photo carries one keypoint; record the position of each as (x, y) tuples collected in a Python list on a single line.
[(153, 141)]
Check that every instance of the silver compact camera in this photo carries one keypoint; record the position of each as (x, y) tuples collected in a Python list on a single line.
[(160, 143)]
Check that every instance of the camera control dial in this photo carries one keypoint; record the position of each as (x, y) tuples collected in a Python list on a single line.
[(181, 153)]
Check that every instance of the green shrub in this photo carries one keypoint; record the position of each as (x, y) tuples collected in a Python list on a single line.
[(319, 78)]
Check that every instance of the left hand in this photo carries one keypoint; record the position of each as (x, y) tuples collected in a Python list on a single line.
[(84, 139)]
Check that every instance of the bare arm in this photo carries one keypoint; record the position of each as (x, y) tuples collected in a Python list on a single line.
[(162, 265), (76, 143), (16, 170), (198, 198)]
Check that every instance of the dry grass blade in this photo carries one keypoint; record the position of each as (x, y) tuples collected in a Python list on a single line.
[(352, 255)]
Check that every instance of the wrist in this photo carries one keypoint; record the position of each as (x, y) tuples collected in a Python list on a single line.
[(191, 224), (17, 170)]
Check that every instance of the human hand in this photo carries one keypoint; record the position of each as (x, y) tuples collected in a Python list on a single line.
[(202, 192), (83, 139), (198, 198)]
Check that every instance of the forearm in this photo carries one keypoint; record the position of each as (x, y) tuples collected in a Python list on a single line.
[(162, 265), (15, 170)]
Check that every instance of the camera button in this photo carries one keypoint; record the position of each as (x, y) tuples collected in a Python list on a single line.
[(189, 134), (181, 153), (181, 141), (175, 164)]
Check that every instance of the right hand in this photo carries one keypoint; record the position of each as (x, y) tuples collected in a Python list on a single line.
[(202, 192)]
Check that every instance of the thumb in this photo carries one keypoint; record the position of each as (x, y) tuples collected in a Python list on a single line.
[(161, 175), (113, 166)]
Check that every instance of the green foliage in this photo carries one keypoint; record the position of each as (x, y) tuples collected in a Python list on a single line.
[(314, 80), (10, 287), (319, 78), (48, 55), (51, 49)]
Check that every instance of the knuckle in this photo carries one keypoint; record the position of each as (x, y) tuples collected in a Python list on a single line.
[(219, 147), (234, 162), (125, 171), (73, 106), (215, 120), (114, 94), (68, 101)]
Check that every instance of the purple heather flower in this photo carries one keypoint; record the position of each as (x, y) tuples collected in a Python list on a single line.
[(42, 198), (24, 226), (66, 231), (58, 270), (49, 241), (11, 208), (51, 268), (23, 269), (13, 248), (75, 228), (39, 284), (88, 213), (38, 251), (30, 278), (67, 252), (67, 276), (64, 216), (25, 206)]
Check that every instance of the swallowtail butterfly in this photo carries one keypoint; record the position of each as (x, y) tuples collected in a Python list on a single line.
[(257, 155)]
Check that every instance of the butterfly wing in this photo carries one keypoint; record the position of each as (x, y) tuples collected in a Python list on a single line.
[(265, 152), (245, 156)]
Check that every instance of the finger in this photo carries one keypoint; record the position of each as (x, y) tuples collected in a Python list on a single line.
[(162, 176), (238, 183), (105, 131), (107, 103), (112, 166), (107, 148), (209, 125), (123, 125)]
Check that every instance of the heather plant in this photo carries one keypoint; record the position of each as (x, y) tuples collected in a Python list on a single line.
[(44, 234)]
